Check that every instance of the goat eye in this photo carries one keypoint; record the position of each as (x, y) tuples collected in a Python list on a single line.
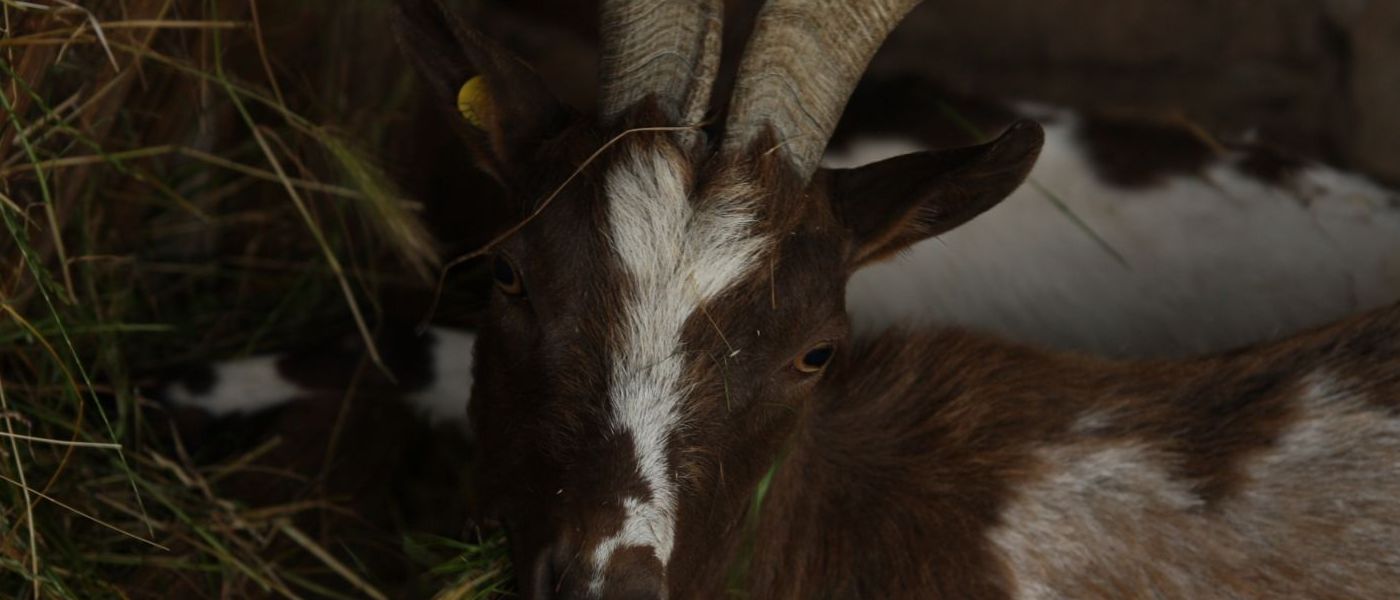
[(507, 279), (816, 358)]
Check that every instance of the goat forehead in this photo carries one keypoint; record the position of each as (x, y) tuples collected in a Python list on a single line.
[(666, 237), (675, 255)]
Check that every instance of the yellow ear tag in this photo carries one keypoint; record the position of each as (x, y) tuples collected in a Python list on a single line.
[(474, 102)]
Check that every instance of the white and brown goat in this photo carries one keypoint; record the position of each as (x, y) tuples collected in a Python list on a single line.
[(1216, 242), (1206, 245), (664, 331)]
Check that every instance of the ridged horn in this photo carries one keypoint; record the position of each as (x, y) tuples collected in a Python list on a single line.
[(804, 59), (664, 48)]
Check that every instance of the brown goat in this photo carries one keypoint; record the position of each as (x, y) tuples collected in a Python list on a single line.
[(667, 313)]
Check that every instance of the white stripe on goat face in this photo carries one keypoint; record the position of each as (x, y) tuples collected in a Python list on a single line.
[(676, 257)]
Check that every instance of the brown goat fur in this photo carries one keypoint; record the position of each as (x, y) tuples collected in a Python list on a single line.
[(661, 331), (942, 464)]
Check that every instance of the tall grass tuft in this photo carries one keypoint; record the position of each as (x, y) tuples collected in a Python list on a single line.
[(182, 180)]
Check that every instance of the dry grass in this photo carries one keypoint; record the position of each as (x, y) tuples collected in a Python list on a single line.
[(181, 180)]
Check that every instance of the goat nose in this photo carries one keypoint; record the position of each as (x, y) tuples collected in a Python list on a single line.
[(558, 575), (634, 573), (634, 584)]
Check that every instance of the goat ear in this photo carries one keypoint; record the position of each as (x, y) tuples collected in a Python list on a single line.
[(891, 204), (509, 110)]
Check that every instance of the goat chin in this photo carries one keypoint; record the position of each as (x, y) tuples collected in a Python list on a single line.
[(1192, 263)]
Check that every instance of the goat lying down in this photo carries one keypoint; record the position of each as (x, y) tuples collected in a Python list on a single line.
[(672, 328), (638, 373), (433, 371), (1202, 249)]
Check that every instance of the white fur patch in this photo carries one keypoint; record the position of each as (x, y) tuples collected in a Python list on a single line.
[(1212, 262), (249, 385), (241, 386), (1315, 515), (676, 258), (445, 399), (1057, 523), (1342, 454)]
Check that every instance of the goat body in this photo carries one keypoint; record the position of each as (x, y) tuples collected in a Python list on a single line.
[(946, 464), (1133, 238)]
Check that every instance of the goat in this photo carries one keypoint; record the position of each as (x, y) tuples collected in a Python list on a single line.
[(664, 329), (433, 374), (1209, 245)]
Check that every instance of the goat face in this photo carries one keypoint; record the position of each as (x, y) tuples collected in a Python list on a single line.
[(658, 344), (662, 311)]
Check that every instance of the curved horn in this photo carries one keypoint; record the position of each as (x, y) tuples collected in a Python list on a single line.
[(803, 61), (665, 48)]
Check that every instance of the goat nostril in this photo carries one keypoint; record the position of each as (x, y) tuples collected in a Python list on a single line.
[(555, 576), (543, 581)]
